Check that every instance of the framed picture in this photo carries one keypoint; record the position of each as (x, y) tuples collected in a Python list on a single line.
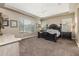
[(13, 23), (6, 22)]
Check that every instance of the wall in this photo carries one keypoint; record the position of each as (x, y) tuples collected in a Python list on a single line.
[(59, 20), (14, 16), (77, 25)]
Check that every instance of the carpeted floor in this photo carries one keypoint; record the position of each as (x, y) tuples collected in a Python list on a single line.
[(41, 47)]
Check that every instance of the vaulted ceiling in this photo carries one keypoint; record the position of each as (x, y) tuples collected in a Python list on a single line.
[(42, 9)]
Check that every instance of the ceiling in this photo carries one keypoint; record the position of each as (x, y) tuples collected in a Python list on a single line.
[(42, 9)]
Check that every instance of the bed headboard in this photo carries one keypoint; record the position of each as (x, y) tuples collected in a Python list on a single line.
[(55, 26)]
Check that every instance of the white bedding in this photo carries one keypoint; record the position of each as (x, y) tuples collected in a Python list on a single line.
[(52, 31)]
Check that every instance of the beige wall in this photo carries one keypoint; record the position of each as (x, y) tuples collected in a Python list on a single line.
[(59, 19), (14, 16), (77, 25)]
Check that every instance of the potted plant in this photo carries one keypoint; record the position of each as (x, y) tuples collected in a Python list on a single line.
[(1, 24)]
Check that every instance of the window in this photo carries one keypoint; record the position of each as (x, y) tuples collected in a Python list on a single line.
[(27, 26), (67, 25)]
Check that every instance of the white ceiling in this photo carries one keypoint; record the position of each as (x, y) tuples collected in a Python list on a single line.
[(42, 9)]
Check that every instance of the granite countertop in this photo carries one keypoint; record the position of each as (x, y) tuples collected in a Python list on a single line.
[(9, 38)]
